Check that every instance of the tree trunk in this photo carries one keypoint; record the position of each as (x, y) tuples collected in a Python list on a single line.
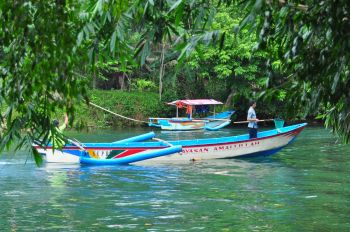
[(161, 71), (229, 99), (94, 77), (94, 82), (122, 81)]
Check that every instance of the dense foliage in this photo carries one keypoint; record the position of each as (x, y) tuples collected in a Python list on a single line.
[(309, 43), (135, 105), (233, 73), (47, 45), (37, 57)]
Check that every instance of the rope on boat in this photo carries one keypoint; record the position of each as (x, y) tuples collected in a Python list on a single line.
[(77, 143), (141, 121), (163, 141), (118, 115)]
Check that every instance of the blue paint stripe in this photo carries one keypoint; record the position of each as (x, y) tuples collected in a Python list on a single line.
[(131, 158), (261, 153)]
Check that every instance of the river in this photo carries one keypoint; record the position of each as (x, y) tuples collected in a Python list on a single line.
[(304, 187)]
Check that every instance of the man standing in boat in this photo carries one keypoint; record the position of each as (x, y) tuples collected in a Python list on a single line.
[(251, 118), (56, 140), (189, 111)]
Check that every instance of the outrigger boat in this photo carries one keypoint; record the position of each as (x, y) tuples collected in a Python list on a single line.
[(136, 150), (214, 122)]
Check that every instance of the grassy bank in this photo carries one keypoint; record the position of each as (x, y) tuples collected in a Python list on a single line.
[(136, 105), (140, 106)]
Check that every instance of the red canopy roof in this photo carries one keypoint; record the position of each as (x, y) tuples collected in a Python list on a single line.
[(196, 102)]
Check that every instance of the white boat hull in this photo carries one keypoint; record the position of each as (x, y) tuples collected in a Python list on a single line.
[(57, 156), (267, 143), (228, 150)]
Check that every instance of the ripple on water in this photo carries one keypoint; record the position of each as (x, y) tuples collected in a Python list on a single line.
[(13, 193), (123, 226), (304, 187), (172, 216), (135, 203)]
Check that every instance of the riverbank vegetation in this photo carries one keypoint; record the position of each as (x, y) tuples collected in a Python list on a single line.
[(135, 105), (292, 56)]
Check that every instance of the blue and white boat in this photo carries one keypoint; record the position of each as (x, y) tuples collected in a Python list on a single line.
[(213, 122), (140, 151)]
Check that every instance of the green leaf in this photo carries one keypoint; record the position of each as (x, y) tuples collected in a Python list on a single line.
[(98, 7), (145, 53), (37, 157), (139, 48), (175, 5), (179, 14), (222, 40), (335, 82), (80, 38), (112, 43)]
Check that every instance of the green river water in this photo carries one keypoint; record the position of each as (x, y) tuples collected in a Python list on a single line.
[(304, 187)]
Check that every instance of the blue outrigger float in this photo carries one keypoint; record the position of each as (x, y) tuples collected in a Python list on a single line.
[(137, 150)]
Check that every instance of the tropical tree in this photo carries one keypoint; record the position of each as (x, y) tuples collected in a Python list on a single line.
[(235, 69), (45, 45), (308, 41), (37, 57)]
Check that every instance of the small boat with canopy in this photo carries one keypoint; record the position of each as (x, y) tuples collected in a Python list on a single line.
[(201, 106)]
